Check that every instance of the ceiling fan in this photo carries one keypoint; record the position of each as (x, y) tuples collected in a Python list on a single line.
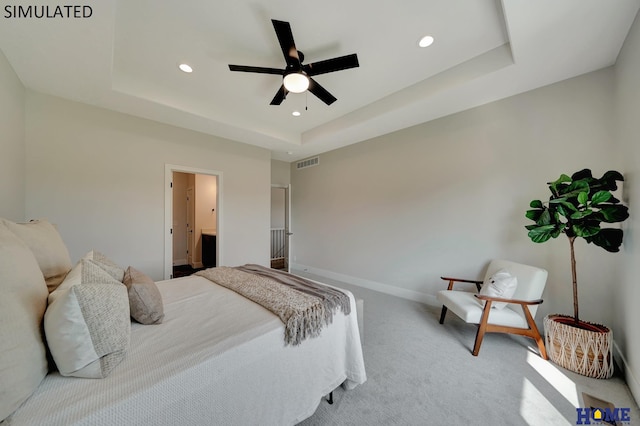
[(296, 77)]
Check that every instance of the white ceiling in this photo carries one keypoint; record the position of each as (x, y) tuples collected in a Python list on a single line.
[(125, 56)]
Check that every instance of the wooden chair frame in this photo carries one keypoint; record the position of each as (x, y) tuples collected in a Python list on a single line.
[(484, 327)]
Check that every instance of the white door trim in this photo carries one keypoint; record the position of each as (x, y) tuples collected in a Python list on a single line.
[(168, 213)]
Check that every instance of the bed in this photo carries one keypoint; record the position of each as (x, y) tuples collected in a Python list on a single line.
[(216, 358)]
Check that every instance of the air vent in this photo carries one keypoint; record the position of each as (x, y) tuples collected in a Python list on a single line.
[(309, 162)]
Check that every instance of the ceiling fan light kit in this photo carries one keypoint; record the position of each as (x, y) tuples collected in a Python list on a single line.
[(296, 82), (297, 77)]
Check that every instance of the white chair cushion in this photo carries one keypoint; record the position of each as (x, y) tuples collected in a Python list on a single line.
[(468, 307)]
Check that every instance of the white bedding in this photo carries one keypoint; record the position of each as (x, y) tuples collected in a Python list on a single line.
[(216, 359)]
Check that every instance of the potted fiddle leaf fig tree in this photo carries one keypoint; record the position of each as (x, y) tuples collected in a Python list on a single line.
[(581, 207)]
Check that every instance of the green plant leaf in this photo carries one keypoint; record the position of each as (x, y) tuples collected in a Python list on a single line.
[(570, 192), (600, 197), (536, 204), (612, 213), (543, 233), (576, 187), (608, 180), (586, 229), (559, 230), (582, 174), (557, 200), (534, 214), (581, 214), (583, 197), (562, 211), (609, 239), (545, 218), (567, 205), (612, 175), (554, 185)]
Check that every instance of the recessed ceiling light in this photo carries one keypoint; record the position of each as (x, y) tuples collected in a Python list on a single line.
[(290, 152), (296, 113), (185, 68), (426, 41)]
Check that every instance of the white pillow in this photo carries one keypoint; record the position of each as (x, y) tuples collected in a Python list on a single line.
[(23, 300), (87, 322), (501, 284), (45, 242)]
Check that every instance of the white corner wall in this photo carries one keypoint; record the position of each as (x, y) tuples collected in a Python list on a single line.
[(627, 290), (12, 143), (99, 175), (280, 173), (444, 198), (280, 176)]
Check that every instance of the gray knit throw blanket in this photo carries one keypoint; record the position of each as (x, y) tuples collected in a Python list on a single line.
[(303, 306)]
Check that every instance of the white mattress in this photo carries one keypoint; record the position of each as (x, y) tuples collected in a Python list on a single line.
[(216, 359)]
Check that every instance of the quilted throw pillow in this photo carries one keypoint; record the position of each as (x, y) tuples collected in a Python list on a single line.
[(145, 300), (501, 284), (107, 264), (87, 322)]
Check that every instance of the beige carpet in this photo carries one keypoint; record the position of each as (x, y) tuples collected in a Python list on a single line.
[(422, 373)]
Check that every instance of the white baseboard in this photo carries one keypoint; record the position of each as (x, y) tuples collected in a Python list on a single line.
[(427, 299), (632, 382)]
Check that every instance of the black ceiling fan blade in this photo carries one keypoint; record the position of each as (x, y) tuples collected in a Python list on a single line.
[(279, 97), (285, 38), (321, 92), (259, 70), (331, 65)]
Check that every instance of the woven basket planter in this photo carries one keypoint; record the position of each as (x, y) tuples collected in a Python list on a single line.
[(586, 350)]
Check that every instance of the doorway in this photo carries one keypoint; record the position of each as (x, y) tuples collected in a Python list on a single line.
[(280, 227), (193, 220)]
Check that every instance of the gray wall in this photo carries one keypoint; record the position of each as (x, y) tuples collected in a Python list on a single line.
[(12, 151), (280, 173), (100, 176), (281, 176), (444, 198), (627, 290)]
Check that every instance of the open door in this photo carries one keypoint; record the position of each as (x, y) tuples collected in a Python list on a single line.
[(281, 227), (204, 216), (287, 227)]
